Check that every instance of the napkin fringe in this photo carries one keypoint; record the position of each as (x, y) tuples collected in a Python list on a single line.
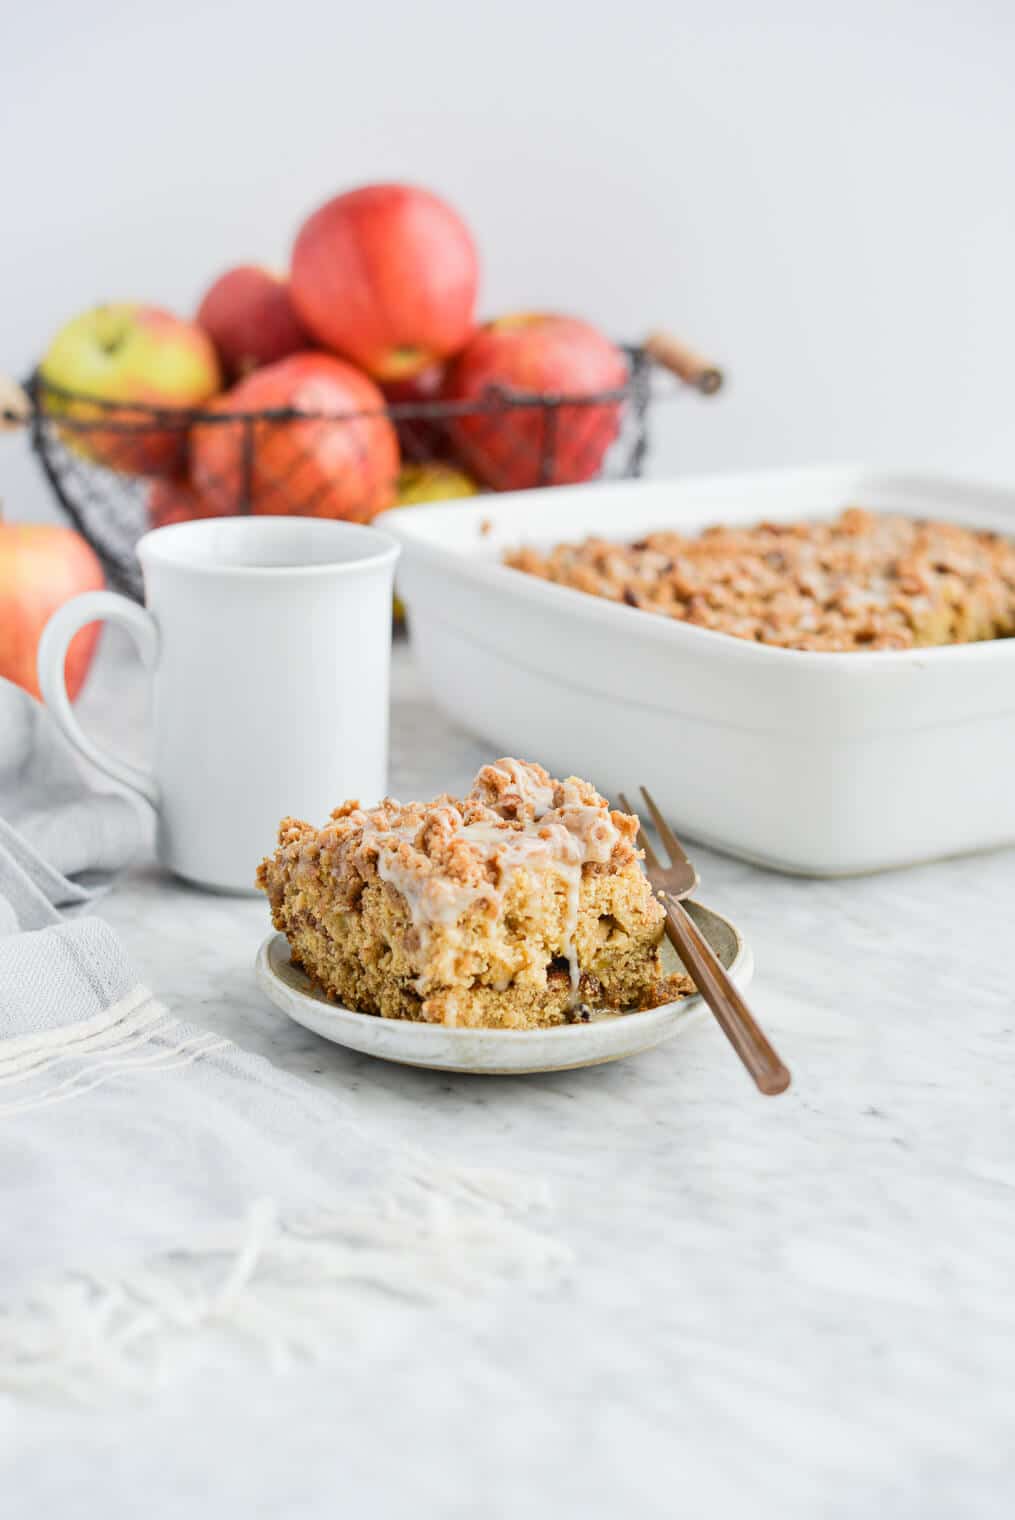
[(276, 1283)]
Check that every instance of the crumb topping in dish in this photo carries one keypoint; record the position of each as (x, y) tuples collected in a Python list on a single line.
[(862, 581)]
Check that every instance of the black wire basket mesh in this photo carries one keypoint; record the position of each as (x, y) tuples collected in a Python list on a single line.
[(118, 470)]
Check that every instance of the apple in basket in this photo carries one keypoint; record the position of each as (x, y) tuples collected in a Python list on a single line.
[(248, 314), (173, 501), (387, 276), (339, 460), (536, 354), (420, 438), (132, 354), (42, 565)]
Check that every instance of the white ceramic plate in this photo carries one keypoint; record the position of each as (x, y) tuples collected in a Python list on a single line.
[(495, 1052)]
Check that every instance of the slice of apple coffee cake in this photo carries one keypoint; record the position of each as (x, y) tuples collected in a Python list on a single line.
[(520, 905)]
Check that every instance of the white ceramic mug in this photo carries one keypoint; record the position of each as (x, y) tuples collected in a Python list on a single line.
[(268, 640)]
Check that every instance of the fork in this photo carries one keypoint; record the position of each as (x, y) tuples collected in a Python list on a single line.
[(672, 882)]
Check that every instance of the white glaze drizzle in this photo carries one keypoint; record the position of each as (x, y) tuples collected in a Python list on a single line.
[(533, 793), (561, 840)]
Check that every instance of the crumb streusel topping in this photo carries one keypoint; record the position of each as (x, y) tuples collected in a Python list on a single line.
[(510, 908), (453, 854), (862, 581)]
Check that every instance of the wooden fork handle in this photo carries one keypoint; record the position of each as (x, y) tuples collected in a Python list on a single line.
[(734, 1017)]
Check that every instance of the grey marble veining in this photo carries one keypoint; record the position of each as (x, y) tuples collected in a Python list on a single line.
[(794, 1307)]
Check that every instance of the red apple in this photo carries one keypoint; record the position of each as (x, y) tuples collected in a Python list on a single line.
[(131, 354), (420, 438), (173, 501), (250, 319), (386, 275), (533, 354), (341, 460), (42, 566)]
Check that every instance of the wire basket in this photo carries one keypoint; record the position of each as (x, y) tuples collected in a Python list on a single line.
[(268, 461)]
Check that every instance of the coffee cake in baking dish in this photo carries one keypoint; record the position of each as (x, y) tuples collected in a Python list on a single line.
[(523, 904), (860, 582)]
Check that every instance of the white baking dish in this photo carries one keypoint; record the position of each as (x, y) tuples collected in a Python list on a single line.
[(819, 763)]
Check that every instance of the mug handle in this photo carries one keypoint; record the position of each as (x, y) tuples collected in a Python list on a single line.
[(95, 607)]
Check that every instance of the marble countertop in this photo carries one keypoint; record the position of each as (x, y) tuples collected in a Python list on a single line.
[(792, 1307)]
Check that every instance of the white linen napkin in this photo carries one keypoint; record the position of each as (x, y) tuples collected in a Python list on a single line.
[(159, 1183), (160, 1187), (60, 840)]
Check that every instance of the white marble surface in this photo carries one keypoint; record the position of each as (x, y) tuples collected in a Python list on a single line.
[(793, 1307)]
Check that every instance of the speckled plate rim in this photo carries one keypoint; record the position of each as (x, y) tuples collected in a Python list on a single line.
[(495, 1052)]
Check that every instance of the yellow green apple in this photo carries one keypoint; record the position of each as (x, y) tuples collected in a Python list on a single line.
[(432, 481), (142, 357)]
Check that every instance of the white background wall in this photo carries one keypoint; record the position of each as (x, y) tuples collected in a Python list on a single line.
[(821, 195)]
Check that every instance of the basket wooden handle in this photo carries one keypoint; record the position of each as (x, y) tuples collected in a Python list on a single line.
[(15, 406), (684, 362)]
